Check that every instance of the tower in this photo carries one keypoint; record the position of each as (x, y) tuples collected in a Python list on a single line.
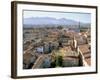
[(79, 27), (74, 43)]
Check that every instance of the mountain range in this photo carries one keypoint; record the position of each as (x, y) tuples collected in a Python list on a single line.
[(49, 21)]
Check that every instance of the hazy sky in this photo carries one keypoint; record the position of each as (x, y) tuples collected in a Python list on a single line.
[(82, 17)]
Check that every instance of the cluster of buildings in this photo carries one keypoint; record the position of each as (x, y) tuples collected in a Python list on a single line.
[(47, 48)]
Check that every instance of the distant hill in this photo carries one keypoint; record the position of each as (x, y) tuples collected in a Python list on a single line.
[(49, 21)]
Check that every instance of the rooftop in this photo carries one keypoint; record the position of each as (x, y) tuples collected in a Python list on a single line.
[(86, 53)]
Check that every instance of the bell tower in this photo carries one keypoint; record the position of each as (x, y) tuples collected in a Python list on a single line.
[(74, 43)]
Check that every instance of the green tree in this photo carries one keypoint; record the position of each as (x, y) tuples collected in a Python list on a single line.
[(59, 61), (60, 27)]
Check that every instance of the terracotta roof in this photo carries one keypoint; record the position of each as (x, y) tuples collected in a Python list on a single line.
[(27, 57), (88, 61), (38, 62), (86, 53), (70, 57), (84, 48)]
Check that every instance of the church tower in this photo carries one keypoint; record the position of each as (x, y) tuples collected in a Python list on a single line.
[(74, 43), (79, 27)]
